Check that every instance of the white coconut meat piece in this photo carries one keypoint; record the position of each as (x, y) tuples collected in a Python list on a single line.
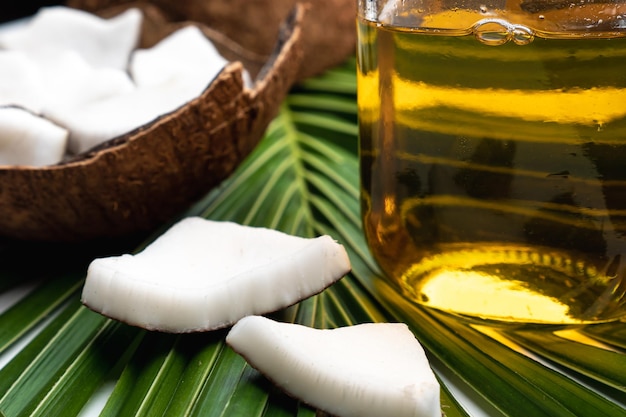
[(365, 370), (71, 85), (167, 76), (203, 275), (186, 51), (69, 82), (21, 81), (27, 139), (100, 120), (102, 42)]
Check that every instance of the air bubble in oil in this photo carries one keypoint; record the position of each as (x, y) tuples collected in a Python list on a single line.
[(496, 32)]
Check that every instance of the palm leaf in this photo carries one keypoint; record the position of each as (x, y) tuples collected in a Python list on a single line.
[(60, 359)]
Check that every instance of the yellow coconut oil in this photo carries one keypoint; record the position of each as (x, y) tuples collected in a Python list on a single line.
[(493, 168)]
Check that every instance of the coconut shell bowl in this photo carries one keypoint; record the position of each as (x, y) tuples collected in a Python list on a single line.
[(134, 182)]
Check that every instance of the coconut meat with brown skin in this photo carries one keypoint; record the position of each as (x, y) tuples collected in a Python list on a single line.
[(27, 139), (365, 370), (203, 275)]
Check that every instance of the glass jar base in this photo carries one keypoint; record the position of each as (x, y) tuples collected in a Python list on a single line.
[(516, 284)]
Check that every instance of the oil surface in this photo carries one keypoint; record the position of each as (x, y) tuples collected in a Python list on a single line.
[(494, 177)]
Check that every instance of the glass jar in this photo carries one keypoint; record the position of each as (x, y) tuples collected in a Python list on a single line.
[(493, 154)]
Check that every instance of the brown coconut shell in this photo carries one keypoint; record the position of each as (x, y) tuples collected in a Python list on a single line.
[(328, 27), (136, 182)]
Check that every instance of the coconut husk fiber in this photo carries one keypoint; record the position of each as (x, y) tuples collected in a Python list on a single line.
[(328, 28), (137, 181)]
